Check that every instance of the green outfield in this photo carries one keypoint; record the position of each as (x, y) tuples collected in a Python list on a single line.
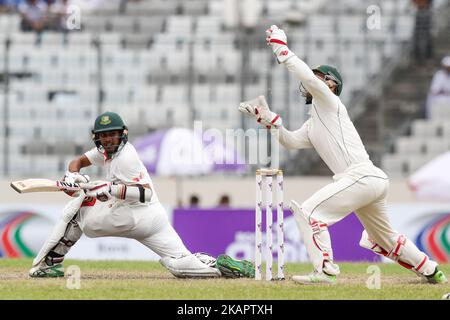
[(149, 280)]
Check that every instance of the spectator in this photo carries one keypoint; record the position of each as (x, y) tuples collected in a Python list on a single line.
[(440, 86), (4, 6), (423, 46), (58, 11), (9, 5), (194, 201), (224, 201), (34, 15)]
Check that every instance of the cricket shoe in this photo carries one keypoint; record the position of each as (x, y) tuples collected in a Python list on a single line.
[(315, 278), (438, 277), (54, 271), (234, 268)]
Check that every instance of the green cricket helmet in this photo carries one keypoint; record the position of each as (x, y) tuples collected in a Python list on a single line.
[(331, 73), (109, 121)]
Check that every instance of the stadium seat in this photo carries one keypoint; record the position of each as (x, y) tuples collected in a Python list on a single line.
[(110, 41), (154, 42), (445, 127), (122, 24), (137, 41), (79, 39), (52, 39), (278, 9), (436, 146), (95, 24), (201, 94), (152, 8), (150, 26), (9, 23), (107, 8), (174, 94), (146, 95), (20, 167), (394, 165), (424, 128), (440, 111), (119, 95), (209, 25), (216, 8), (410, 146), (321, 24), (415, 163), (179, 25), (194, 7), (23, 38)]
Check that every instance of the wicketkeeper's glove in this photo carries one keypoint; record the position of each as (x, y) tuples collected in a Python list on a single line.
[(277, 40), (259, 109)]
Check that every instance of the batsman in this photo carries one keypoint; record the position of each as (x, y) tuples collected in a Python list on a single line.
[(359, 186), (124, 205)]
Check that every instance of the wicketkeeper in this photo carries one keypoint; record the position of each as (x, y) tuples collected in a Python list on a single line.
[(358, 185), (124, 205)]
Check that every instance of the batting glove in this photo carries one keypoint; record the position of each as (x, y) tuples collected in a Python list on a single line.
[(75, 177), (100, 190), (277, 40)]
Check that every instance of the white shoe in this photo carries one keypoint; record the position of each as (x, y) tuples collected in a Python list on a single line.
[(315, 278)]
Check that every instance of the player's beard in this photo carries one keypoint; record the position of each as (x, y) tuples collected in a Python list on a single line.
[(308, 97)]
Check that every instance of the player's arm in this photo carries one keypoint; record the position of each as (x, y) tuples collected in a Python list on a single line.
[(138, 192), (128, 172), (277, 40), (259, 109), (297, 139), (77, 164), (91, 157), (105, 190), (73, 174)]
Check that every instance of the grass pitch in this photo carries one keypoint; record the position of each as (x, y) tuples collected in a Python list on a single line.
[(149, 280)]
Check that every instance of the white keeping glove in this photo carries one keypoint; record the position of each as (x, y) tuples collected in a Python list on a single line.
[(259, 109), (277, 40), (75, 177), (100, 190)]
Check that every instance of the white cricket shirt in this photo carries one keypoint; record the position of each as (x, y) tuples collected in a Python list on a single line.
[(329, 129), (125, 167)]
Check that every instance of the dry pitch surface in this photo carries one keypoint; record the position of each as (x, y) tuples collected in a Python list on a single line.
[(149, 280)]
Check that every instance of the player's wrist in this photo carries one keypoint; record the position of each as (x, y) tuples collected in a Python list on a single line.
[(271, 120), (275, 121), (282, 52)]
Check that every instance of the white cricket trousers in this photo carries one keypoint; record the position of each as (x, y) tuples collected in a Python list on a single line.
[(148, 224), (361, 189)]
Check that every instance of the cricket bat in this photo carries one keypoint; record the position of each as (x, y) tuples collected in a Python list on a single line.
[(45, 185)]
